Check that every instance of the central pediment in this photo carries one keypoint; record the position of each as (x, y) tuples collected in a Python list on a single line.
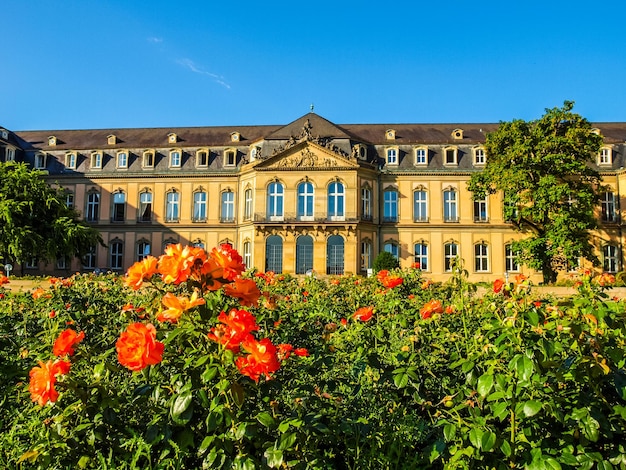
[(307, 156)]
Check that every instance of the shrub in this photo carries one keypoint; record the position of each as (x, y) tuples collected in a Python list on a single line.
[(385, 260)]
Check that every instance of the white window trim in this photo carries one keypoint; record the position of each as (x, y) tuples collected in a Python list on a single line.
[(477, 151), (396, 151), (234, 154), (172, 164), (93, 160), (117, 159), (40, 156), (198, 153), (144, 157), (605, 157), (416, 153), (71, 159)]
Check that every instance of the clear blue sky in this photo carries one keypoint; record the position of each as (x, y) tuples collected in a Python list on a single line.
[(81, 64)]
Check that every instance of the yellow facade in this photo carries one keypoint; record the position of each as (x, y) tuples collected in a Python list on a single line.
[(310, 195)]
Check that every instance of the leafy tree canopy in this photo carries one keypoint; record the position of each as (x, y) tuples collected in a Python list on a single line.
[(385, 260), (35, 221), (544, 170)]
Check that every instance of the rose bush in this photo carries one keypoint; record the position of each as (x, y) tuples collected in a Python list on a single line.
[(187, 361)]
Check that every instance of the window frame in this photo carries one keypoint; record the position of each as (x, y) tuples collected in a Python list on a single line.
[(480, 157), (121, 163), (481, 210), (450, 206), (420, 255), (200, 208), (449, 256), (481, 257), (227, 206), (510, 263), (417, 216), (421, 156), (118, 209), (392, 156), (172, 206), (451, 150), (336, 207), (71, 160), (95, 161), (145, 206), (391, 199), (610, 261), (306, 201), (275, 201)]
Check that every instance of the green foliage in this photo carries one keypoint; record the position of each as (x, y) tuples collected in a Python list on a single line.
[(550, 190), (385, 260), (35, 221), (505, 380)]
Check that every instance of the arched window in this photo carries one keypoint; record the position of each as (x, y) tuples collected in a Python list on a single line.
[(305, 201), (335, 255), (336, 201), (275, 198), (392, 247), (143, 249), (304, 254), (274, 254)]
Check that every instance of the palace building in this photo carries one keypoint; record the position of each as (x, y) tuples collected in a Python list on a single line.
[(307, 196)]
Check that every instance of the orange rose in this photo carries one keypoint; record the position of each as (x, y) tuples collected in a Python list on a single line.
[(176, 264), (140, 271), (229, 263), (3, 279), (433, 306), (177, 305), (245, 290), (262, 358), (64, 344), (363, 314), (138, 348), (498, 284), (43, 378), (234, 328)]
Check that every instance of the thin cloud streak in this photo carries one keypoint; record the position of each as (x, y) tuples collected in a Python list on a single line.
[(154, 39), (189, 64)]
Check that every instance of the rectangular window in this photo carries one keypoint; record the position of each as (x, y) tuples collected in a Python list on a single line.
[(148, 160), (479, 157), (421, 256), (122, 160), (451, 251), (247, 254), (202, 158), (480, 211), (145, 207), (10, 154), (390, 206), (199, 206), (392, 156), (450, 206), (510, 259), (172, 207), (40, 161), (117, 255), (420, 213), (609, 213), (229, 158), (481, 259), (61, 263), (247, 209), (611, 259), (69, 200), (143, 250), (93, 207), (96, 160), (421, 156), (606, 157), (450, 157), (175, 159), (119, 207), (366, 204), (70, 160), (89, 260), (366, 256), (228, 207)]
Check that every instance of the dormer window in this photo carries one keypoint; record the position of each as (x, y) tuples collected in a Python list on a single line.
[(5, 134), (111, 139), (9, 154), (606, 156), (175, 158), (390, 134), (202, 158), (450, 156), (230, 157), (122, 159), (52, 141), (96, 160), (421, 156), (479, 156), (70, 160), (172, 138), (457, 134), (392, 156), (235, 136), (360, 151), (40, 161), (254, 152), (147, 159)]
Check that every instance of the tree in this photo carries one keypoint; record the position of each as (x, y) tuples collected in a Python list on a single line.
[(385, 260), (35, 222), (550, 189)]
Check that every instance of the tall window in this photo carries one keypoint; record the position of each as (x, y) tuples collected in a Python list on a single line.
[(450, 156), (199, 206), (304, 254), (229, 158), (119, 207), (392, 248), (366, 255), (70, 160), (305, 201), (450, 206), (421, 255), (611, 258), (116, 255), (96, 160), (392, 156), (93, 207), (202, 158), (247, 209), (334, 255), (228, 207), (274, 254), (390, 206), (143, 249), (480, 210), (275, 197), (609, 214), (10, 154), (481, 258), (451, 251), (175, 159), (421, 156), (40, 161), (606, 157), (145, 207), (147, 160), (172, 206), (510, 259), (122, 160), (247, 254), (420, 212), (336, 195), (89, 259), (366, 204), (69, 200), (479, 156)]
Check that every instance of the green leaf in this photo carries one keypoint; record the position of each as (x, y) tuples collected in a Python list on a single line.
[(180, 407), (505, 447), (265, 419), (449, 431), (532, 407), (476, 436), (488, 440), (401, 380), (274, 457), (287, 440), (485, 382), (590, 428)]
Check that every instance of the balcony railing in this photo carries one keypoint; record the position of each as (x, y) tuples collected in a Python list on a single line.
[(293, 218)]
